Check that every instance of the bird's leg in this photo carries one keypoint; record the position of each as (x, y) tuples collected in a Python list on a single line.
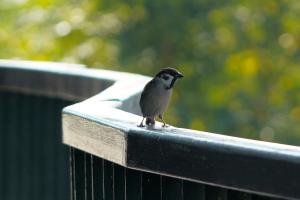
[(150, 121), (141, 124), (162, 119)]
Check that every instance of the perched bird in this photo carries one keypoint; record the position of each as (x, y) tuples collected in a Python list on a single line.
[(156, 95)]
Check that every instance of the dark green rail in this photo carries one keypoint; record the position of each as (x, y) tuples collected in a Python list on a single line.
[(113, 159), (108, 157), (34, 164), (93, 178)]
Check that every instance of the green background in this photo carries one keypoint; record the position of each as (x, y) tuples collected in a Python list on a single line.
[(240, 58)]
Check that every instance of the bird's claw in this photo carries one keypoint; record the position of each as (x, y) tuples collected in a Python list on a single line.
[(165, 125)]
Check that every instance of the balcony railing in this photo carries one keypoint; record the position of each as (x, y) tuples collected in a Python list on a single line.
[(109, 156)]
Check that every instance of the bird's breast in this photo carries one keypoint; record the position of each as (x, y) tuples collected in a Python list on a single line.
[(155, 99), (162, 100)]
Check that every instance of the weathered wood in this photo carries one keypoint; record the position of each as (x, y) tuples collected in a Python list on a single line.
[(101, 141)]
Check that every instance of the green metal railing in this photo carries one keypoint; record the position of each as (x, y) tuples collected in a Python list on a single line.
[(34, 164), (97, 179), (107, 156), (33, 161)]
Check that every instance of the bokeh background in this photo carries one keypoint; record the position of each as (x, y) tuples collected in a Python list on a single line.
[(240, 58)]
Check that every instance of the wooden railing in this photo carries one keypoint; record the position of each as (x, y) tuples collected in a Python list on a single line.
[(111, 158)]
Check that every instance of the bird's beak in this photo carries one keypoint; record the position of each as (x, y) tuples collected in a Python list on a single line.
[(179, 75)]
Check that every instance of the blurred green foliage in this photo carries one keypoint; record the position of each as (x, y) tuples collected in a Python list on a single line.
[(240, 58)]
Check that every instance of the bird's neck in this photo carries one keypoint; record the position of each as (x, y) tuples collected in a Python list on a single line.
[(171, 84), (167, 84)]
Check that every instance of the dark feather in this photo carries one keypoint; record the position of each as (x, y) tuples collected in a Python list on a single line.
[(146, 96), (168, 70)]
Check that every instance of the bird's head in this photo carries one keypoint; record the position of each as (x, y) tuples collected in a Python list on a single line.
[(168, 76)]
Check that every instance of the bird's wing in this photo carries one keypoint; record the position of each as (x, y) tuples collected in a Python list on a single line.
[(147, 97), (147, 92)]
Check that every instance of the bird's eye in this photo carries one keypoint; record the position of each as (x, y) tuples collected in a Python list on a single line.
[(165, 77)]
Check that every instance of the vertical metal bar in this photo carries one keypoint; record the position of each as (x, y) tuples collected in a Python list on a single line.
[(161, 187), (151, 186), (85, 181), (60, 154), (260, 197), (18, 130), (2, 141), (92, 177), (71, 173), (74, 174), (141, 185), (11, 163), (119, 182), (133, 184), (193, 191), (26, 142), (172, 188), (125, 183), (108, 180), (88, 177), (181, 190), (44, 149), (98, 178), (103, 180), (5, 138), (212, 192), (40, 139), (232, 194), (113, 180), (79, 175)]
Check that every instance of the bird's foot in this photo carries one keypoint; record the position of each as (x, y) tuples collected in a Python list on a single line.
[(165, 125), (141, 125)]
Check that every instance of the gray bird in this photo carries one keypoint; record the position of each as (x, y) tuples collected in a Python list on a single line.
[(156, 95)]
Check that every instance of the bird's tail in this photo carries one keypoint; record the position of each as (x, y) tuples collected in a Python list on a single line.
[(150, 121)]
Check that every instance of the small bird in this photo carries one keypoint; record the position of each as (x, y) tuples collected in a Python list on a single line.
[(156, 95)]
